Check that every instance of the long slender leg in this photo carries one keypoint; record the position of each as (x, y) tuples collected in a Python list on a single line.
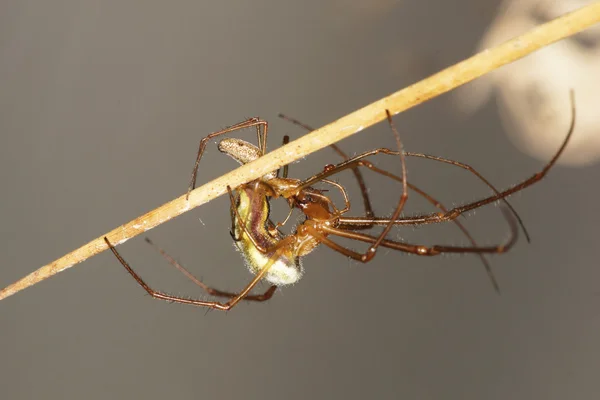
[(232, 211), (421, 250), (454, 213), (286, 168), (210, 290), (286, 140), (373, 248), (202, 303), (344, 195), (435, 203), (262, 137), (277, 225), (478, 175), (484, 261)]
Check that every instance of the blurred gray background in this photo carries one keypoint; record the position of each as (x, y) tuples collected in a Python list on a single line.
[(102, 105)]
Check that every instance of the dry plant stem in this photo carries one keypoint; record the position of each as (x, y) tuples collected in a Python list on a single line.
[(435, 85)]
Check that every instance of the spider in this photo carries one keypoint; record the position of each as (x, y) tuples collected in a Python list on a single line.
[(276, 257)]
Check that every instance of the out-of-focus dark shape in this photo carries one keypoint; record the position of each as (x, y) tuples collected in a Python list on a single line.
[(532, 94)]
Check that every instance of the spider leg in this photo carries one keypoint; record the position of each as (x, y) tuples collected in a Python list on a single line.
[(286, 168), (478, 175), (210, 290), (454, 213), (435, 203), (196, 302), (261, 131), (403, 197), (421, 250)]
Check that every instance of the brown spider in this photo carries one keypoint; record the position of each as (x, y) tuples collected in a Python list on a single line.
[(276, 257)]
